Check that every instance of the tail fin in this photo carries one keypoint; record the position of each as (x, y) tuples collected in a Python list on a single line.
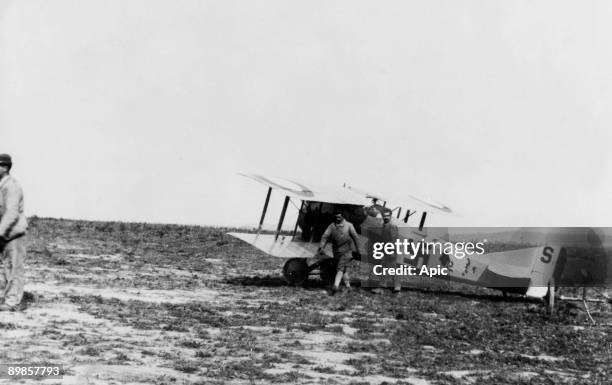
[(546, 266)]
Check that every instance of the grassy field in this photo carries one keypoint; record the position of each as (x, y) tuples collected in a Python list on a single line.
[(120, 303)]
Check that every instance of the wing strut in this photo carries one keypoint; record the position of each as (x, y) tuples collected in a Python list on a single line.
[(263, 213), (282, 217), (408, 214), (422, 224), (297, 221)]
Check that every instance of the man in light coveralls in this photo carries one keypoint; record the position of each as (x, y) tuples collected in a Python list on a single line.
[(343, 237), (13, 226)]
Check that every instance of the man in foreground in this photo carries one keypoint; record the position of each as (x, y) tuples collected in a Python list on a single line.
[(342, 235), (13, 227)]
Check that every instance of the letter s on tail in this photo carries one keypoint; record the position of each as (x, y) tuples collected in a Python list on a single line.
[(543, 270)]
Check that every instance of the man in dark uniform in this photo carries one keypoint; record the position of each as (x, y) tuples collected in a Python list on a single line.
[(342, 235)]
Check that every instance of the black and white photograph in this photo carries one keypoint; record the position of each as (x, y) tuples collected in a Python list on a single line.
[(339, 192)]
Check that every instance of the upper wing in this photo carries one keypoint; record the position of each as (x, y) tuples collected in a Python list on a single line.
[(310, 193), (340, 195)]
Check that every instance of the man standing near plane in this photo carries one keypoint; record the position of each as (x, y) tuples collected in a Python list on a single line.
[(375, 210), (342, 235), (13, 226), (390, 234)]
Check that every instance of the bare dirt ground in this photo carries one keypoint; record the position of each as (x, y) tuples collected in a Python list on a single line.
[(138, 304)]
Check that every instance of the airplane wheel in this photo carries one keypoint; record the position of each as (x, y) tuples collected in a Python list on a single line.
[(327, 271), (295, 271)]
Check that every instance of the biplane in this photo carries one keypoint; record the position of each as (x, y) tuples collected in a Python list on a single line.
[(316, 206), (531, 271)]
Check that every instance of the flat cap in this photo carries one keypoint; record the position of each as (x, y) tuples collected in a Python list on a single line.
[(5, 159)]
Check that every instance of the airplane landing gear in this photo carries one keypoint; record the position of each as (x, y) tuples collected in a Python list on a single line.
[(295, 271)]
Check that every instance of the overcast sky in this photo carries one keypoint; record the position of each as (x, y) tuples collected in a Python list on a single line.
[(145, 110)]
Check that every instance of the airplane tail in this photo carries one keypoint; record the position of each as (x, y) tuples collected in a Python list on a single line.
[(547, 268)]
